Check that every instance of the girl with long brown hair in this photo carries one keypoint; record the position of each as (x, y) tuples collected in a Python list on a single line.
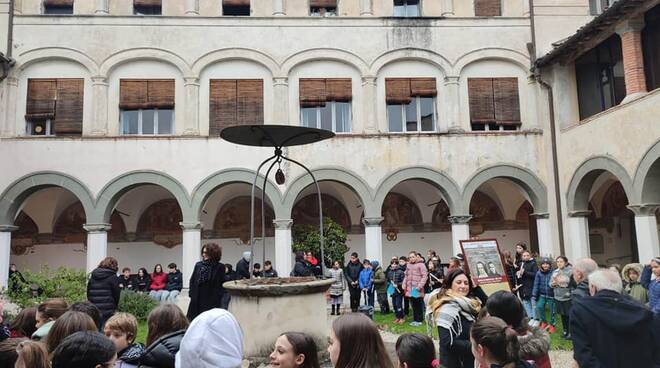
[(68, 324), (32, 354), (355, 343), (295, 350), (495, 344), (166, 326)]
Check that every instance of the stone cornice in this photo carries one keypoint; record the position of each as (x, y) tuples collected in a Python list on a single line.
[(96, 228), (8, 228), (372, 221), (459, 219), (584, 213), (646, 209), (187, 226), (283, 224)]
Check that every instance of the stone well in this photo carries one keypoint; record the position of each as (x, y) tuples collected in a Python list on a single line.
[(266, 308)]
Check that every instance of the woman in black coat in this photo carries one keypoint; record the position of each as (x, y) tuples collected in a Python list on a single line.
[(206, 289), (103, 288)]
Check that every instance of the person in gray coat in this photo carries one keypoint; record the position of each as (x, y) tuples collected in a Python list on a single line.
[(337, 288)]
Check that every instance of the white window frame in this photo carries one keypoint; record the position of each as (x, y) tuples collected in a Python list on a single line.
[(418, 102), (49, 128), (323, 14), (140, 111), (333, 109), (405, 9)]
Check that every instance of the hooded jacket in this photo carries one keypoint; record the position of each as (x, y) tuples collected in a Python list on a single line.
[(613, 330), (161, 353), (653, 287), (560, 282), (103, 291), (337, 288), (366, 279), (535, 345), (542, 284), (213, 340), (634, 289), (416, 275), (380, 280)]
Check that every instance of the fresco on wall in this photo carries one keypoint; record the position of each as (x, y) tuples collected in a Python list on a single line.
[(400, 213), (306, 211), (233, 220), (26, 236), (160, 223), (68, 227)]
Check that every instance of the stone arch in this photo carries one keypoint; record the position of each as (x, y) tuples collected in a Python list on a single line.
[(579, 189), (34, 56), (647, 178), (16, 193), (336, 174), (442, 181), (342, 56), (235, 54), (410, 54), (494, 53), (525, 179), (112, 192), (204, 189), (146, 53)]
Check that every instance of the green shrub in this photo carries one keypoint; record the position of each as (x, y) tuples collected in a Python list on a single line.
[(67, 283), (306, 238), (137, 304)]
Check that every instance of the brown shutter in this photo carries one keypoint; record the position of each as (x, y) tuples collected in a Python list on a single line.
[(338, 89), (487, 8), (397, 91), (250, 102), (322, 3), (236, 2), (423, 87), (222, 105), (312, 92), (507, 103), (480, 92), (69, 107), (132, 94), (160, 94), (41, 97), (146, 94), (58, 3), (147, 2)]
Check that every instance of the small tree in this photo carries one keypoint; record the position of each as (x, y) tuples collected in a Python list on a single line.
[(67, 283), (306, 238)]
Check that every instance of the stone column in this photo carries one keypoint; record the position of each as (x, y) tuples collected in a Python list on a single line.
[(578, 233), (5, 253), (100, 106), (633, 57), (279, 9), (460, 230), (447, 8), (102, 7), (281, 100), (373, 238), (544, 233), (192, 7), (191, 249), (191, 123), (453, 111), (366, 8), (646, 228), (9, 129), (97, 244), (283, 251), (532, 123), (370, 117)]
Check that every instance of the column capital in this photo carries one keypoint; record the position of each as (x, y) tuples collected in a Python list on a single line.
[(459, 219), (369, 80), (582, 213), (191, 81), (99, 80), (541, 215), (96, 228), (646, 209), (631, 25), (8, 228), (12, 81), (372, 221), (281, 81), (283, 224), (187, 226), (452, 79)]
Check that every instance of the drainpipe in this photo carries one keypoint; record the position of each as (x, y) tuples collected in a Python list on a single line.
[(5, 60), (553, 130)]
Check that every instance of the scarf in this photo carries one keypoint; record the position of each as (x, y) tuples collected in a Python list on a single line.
[(205, 272), (447, 310), (131, 354)]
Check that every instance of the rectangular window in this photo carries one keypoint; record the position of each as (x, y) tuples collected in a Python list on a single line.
[(235, 102), (147, 7), (323, 8), (54, 107), (147, 106), (494, 104), (411, 104), (651, 48), (407, 8), (600, 78), (236, 8), (487, 8), (326, 104), (57, 7), (598, 6)]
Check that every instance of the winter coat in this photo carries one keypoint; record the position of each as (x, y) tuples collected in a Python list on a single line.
[(396, 277), (142, 283), (581, 290), (352, 273), (366, 279), (613, 330), (653, 286), (380, 280), (510, 271), (415, 277), (456, 349), (158, 281), (435, 279), (213, 340), (243, 269), (337, 288), (174, 281), (530, 268), (270, 273), (535, 345), (126, 283), (542, 285), (103, 291), (301, 269), (560, 282), (129, 357), (206, 295), (634, 289), (161, 353)]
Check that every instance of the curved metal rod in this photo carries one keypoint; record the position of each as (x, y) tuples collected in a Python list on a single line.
[(254, 183), (318, 191), (263, 213)]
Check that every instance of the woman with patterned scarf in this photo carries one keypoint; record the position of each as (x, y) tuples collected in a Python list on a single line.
[(206, 289), (454, 312)]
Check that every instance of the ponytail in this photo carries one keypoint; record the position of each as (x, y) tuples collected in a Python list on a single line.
[(500, 339)]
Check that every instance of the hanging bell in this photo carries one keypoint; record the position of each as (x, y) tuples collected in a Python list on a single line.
[(279, 177)]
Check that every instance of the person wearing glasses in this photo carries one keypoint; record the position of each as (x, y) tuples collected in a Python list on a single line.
[(206, 289)]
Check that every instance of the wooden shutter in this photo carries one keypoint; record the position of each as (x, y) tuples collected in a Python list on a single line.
[(147, 2), (250, 101), (312, 92), (58, 3), (236, 2), (160, 94), (338, 89), (506, 101), (41, 97), (480, 92), (132, 94), (146, 94), (69, 107), (222, 108), (487, 8), (322, 3), (423, 87), (397, 91)]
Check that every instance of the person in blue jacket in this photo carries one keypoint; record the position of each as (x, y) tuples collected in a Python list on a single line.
[(544, 295), (366, 281), (653, 286)]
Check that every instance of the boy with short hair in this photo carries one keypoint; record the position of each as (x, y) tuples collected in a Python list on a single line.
[(126, 281), (174, 284), (121, 329), (366, 281)]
